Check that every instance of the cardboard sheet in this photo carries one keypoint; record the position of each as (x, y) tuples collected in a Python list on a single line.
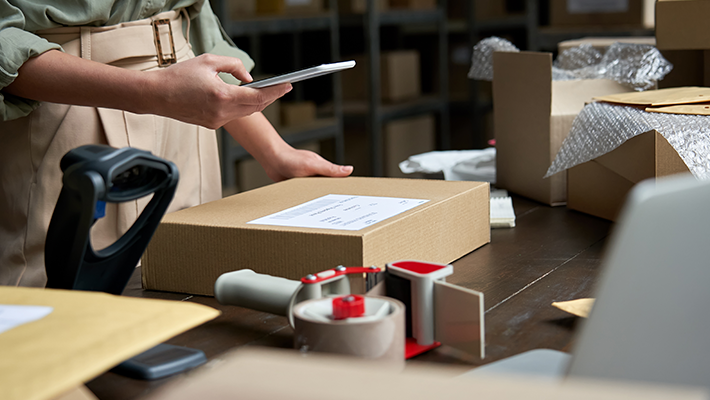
[(578, 307), (251, 375), (86, 334), (660, 97)]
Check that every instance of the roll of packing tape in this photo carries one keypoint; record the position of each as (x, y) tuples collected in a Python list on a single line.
[(379, 334)]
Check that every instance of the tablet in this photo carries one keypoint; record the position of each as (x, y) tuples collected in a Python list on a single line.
[(301, 75)]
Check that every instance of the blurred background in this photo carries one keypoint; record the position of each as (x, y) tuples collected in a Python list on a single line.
[(409, 93)]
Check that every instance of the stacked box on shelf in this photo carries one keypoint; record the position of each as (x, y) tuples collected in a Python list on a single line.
[(576, 13), (400, 77), (683, 39)]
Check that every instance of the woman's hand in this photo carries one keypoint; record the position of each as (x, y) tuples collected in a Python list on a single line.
[(191, 91), (280, 161)]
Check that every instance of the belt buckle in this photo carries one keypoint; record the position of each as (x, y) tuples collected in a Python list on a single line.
[(164, 60)]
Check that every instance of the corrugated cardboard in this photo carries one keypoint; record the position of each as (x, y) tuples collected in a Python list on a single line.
[(85, 335), (532, 116), (636, 13), (297, 113), (682, 25), (400, 77), (407, 137), (193, 247), (251, 373), (599, 187), (603, 43)]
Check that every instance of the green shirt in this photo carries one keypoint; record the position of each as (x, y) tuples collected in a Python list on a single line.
[(20, 18)]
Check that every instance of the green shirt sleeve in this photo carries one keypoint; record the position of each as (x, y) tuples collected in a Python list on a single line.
[(208, 36), (16, 47)]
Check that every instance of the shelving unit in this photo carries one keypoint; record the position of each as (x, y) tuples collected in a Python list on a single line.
[(254, 27), (377, 114)]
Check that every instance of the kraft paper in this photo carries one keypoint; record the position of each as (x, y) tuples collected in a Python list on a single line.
[(579, 307), (86, 334)]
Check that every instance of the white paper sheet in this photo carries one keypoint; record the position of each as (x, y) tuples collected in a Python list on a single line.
[(340, 212), (12, 316)]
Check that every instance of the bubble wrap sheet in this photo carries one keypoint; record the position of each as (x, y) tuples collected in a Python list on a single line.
[(634, 65), (482, 58), (602, 127)]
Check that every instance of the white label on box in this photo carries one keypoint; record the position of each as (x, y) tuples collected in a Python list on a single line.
[(597, 6), (14, 315), (341, 212)]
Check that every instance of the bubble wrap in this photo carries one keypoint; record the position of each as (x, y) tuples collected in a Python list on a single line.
[(602, 127), (482, 58), (634, 65)]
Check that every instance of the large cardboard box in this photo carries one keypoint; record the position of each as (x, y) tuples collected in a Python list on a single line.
[(682, 25), (407, 137), (532, 116), (400, 77), (683, 39), (594, 12), (599, 187), (193, 247), (297, 113)]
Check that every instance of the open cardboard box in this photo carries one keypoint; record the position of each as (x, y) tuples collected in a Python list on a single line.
[(533, 115), (599, 187), (193, 247)]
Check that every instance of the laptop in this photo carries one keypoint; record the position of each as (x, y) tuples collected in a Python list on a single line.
[(651, 317)]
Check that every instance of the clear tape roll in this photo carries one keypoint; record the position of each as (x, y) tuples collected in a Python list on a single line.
[(379, 335)]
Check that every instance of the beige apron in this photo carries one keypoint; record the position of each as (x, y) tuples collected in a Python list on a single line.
[(31, 147)]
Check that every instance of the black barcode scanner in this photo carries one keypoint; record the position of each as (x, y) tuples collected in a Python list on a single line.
[(93, 176)]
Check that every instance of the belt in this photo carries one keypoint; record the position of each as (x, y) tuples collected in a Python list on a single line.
[(143, 44)]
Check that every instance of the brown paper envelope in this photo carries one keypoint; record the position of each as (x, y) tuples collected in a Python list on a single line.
[(660, 97), (86, 334), (693, 109), (579, 307)]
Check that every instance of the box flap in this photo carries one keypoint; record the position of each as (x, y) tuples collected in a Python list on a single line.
[(634, 160), (693, 109), (594, 189), (660, 97), (459, 318), (569, 97), (86, 334), (668, 161)]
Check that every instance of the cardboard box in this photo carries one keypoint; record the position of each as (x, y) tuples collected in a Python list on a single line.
[(682, 25), (413, 4), (603, 43), (290, 7), (407, 137), (400, 77), (193, 247), (599, 187), (272, 112), (532, 116), (360, 6), (297, 113), (595, 12)]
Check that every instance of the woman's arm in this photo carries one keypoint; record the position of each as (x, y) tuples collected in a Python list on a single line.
[(280, 161), (190, 91)]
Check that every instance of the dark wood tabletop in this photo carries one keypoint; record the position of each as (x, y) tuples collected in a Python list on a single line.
[(553, 254)]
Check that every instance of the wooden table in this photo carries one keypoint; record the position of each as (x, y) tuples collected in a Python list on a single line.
[(553, 254)]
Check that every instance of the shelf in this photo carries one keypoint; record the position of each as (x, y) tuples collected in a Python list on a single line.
[(396, 17), (388, 112), (323, 128), (277, 24)]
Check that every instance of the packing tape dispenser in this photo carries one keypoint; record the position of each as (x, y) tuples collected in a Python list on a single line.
[(435, 312)]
